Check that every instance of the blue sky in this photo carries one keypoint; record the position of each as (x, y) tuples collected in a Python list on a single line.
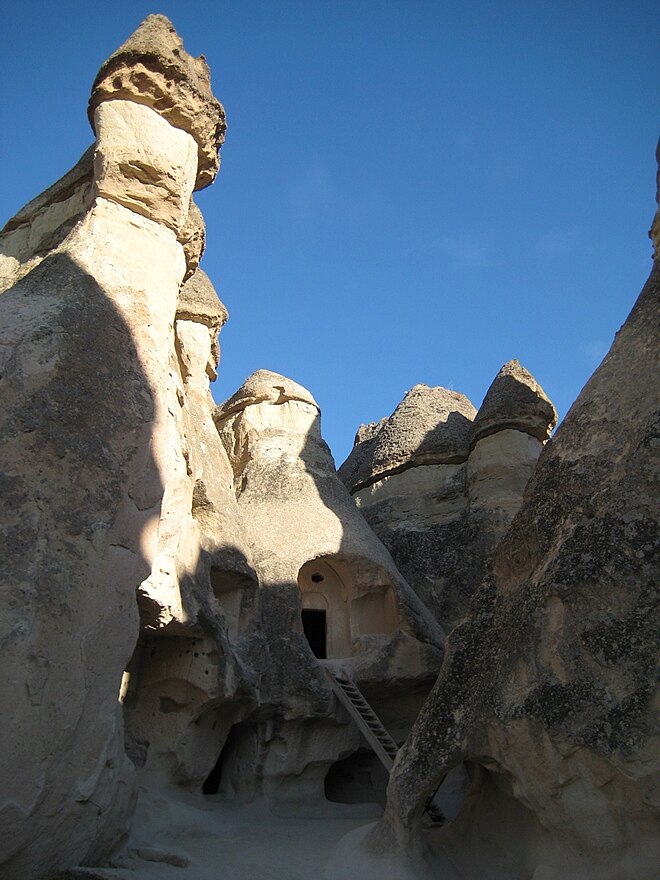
[(409, 192)]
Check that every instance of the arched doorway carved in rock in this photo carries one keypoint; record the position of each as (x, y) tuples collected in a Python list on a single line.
[(325, 608)]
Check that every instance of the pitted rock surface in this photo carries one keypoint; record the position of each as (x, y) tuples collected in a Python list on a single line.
[(438, 493), (429, 426), (193, 238), (515, 400), (198, 301)]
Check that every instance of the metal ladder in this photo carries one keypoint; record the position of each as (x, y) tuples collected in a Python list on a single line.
[(364, 716)]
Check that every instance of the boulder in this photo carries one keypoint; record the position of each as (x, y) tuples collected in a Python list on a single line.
[(517, 402), (429, 426)]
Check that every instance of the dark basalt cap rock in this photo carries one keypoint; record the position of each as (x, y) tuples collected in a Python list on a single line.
[(154, 69), (429, 426), (198, 301), (515, 400), (263, 386)]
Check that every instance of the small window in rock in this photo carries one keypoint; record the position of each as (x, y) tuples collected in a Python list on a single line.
[(317, 578)]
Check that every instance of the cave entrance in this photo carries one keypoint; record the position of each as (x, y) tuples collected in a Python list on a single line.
[(314, 626), (233, 774), (358, 779)]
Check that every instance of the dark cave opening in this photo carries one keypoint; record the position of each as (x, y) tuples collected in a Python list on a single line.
[(314, 627), (358, 779), (211, 784)]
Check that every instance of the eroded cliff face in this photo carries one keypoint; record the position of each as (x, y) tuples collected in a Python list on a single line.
[(327, 588), (227, 693), (94, 472), (440, 482), (548, 687)]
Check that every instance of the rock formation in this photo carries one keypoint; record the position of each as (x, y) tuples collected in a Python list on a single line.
[(303, 523), (440, 482), (95, 475), (232, 681), (548, 687), (159, 575), (180, 580)]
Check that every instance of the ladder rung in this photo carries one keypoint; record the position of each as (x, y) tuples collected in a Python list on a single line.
[(372, 726)]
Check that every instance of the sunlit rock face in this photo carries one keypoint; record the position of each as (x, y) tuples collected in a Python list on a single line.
[(98, 481), (548, 687), (327, 586), (176, 575), (439, 482), (154, 70), (298, 512)]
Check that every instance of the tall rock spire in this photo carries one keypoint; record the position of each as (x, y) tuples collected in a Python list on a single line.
[(105, 362)]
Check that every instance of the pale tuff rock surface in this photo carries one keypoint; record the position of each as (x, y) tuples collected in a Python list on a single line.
[(185, 672), (312, 551), (178, 578), (198, 302), (97, 484), (301, 516), (143, 163), (439, 482), (547, 688), (155, 582), (43, 224), (242, 686), (264, 387), (153, 69), (193, 238)]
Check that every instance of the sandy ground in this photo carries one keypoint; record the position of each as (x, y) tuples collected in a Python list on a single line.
[(211, 840), (183, 835)]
